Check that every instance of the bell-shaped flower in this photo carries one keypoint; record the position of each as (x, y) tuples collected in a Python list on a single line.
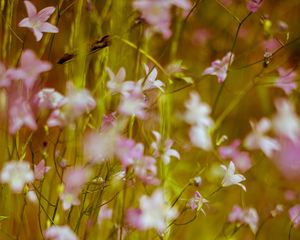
[(116, 82), (294, 214), (231, 178), (40, 170), (197, 202), (258, 140), (48, 98), (16, 174), (219, 68), (286, 80), (150, 81), (36, 21), (254, 5), (55, 232)]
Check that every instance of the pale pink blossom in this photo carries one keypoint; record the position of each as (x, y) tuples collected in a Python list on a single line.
[(197, 202), (286, 80), (154, 212), (231, 178), (40, 170), (36, 21), (219, 68), (108, 121), (247, 216), (74, 179), (133, 102), (145, 168), (286, 122), (20, 114), (4, 78), (116, 82), (30, 68), (254, 5), (163, 149), (105, 213), (48, 98), (17, 174), (257, 139), (200, 137), (294, 214), (60, 233)]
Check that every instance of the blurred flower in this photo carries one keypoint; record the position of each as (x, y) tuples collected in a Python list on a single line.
[(20, 113), (145, 168), (219, 68), (153, 213), (254, 5), (277, 210), (150, 80), (133, 102), (196, 202), (60, 233), (163, 149), (30, 68), (230, 178), (244, 216), (48, 98), (108, 121), (294, 214), (116, 82), (286, 122), (157, 13), (74, 179), (197, 115), (31, 196), (286, 80), (40, 170), (104, 213), (36, 21), (17, 174), (258, 140), (4, 78)]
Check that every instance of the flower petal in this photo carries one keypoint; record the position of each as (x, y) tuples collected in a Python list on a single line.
[(30, 8), (45, 13), (48, 27)]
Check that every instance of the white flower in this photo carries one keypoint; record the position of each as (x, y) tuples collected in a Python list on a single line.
[(115, 83), (17, 174), (150, 81), (155, 212), (232, 179), (200, 137), (258, 140), (60, 233), (286, 122)]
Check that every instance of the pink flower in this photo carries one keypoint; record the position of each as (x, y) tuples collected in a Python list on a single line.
[(20, 114), (60, 233), (40, 170), (104, 213), (116, 82), (145, 168), (258, 140), (294, 214), (4, 78), (286, 80), (108, 121), (150, 80), (30, 68), (36, 21), (246, 216), (219, 68), (254, 5), (197, 202), (163, 148), (16, 174)]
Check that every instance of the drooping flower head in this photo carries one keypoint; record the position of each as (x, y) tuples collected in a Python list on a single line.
[(254, 5), (36, 21)]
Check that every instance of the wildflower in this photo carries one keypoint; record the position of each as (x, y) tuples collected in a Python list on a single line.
[(286, 80), (254, 5), (133, 102), (277, 210), (20, 113), (36, 21), (60, 233), (163, 149), (154, 212), (73, 181), (108, 121), (286, 122), (40, 170), (200, 137), (196, 202), (219, 68), (116, 82), (258, 140), (4, 79), (145, 168), (294, 214), (31, 196), (30, 68), (48, 98), (150, 81), (104, 213), (230, 178), (17, 174), (244, 216)]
